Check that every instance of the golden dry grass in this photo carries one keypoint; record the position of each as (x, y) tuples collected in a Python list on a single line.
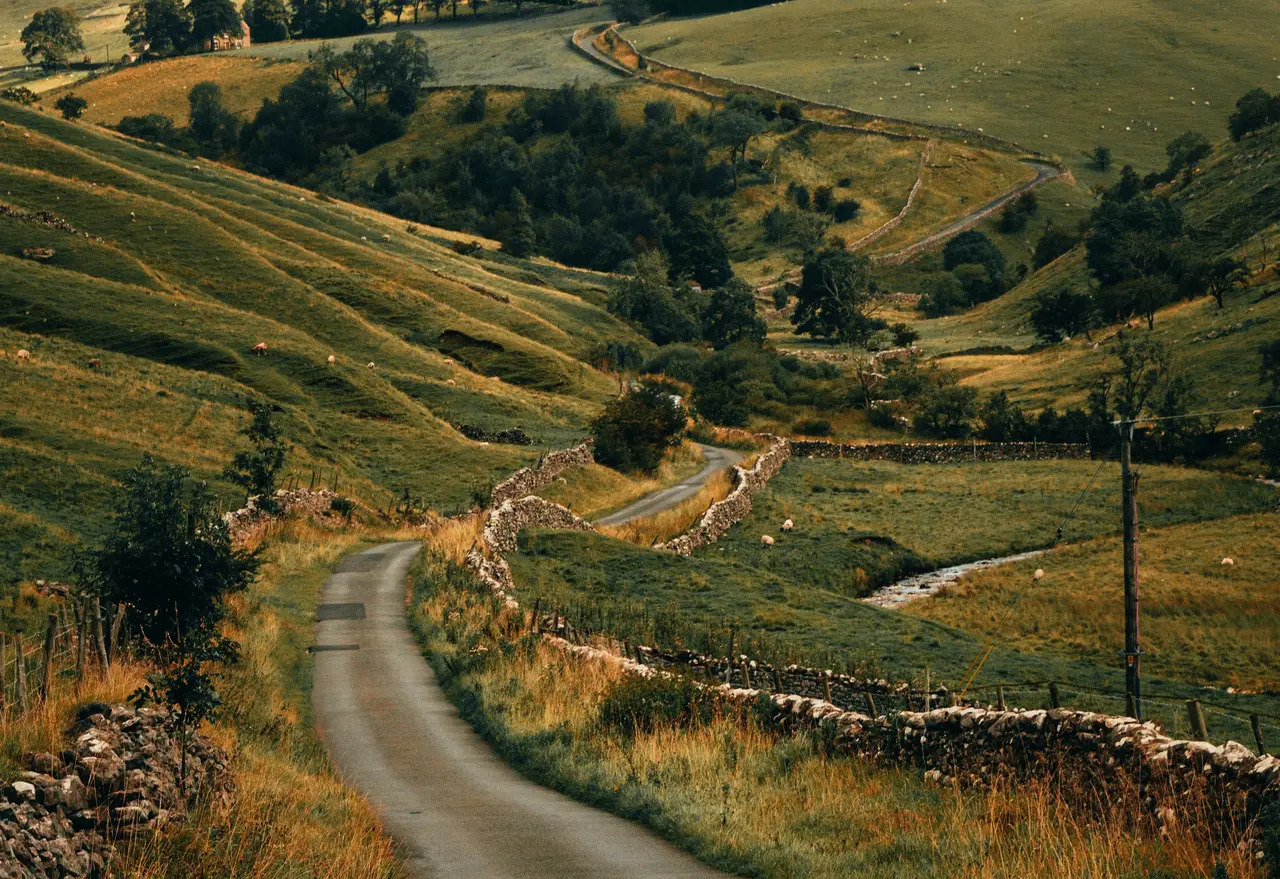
[(675, 521), (742, 796), (162, 86), (594, 490)]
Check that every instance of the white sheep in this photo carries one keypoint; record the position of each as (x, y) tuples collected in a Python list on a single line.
[(766, 541), (24, 354), (260, 348), (332, 360), (1228, 562), (448, 361), (450, 381), (386, 237), (371, 364), (1038, 575)]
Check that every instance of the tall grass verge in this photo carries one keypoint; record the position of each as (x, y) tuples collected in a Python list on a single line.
[(737, 793), (678, 519)]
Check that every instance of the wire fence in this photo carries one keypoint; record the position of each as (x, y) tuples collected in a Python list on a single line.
[(76, 638)]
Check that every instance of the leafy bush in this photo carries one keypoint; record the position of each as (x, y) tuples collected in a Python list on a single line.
[(343, 506), (904, 334), (634, 431), (846, 209), (71, 106), (881, 415), (813, 427), (475, 108), (636, 704), (19, 94), (947, 412)]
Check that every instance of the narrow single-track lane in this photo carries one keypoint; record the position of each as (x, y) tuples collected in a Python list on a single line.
[(453, 806)]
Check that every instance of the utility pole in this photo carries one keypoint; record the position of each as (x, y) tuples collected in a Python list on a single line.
[(1132, 653)]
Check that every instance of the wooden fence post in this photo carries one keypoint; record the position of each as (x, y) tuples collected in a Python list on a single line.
[(1000, 703), (1196, 715), (1257, 734), (98, 639), (928, 694), (1055, 701), (117, 626), (871, 705), (728, 666), (46, 663), (4, 672), (826, 687), (746, 675), (82, 627), (21, 673), (777, 680)]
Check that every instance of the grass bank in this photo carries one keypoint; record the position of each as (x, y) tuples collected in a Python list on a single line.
[(740, 796)]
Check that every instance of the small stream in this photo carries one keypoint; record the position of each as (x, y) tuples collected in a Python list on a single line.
[(923, 585)]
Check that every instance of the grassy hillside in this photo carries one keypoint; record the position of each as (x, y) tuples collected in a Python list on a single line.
[(1059, 76), (176, 270)]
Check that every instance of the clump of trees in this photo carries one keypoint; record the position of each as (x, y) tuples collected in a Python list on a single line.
[(836, 299), (255, 469), (636, 429), (978, 272), (1256, 109), (52, 37), (1018, 213), (71, 106)]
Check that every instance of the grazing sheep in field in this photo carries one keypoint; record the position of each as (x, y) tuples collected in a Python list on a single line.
[(1228, 562), (450, 381), (371, 364), (1038, 574), (332, 360), (766, 541), (24, 354), (386, 237), (448, 361), (95, 363), (788, 525), (260, 348)]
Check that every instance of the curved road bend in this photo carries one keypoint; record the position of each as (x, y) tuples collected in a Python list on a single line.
[(717, 459), (455, 808)]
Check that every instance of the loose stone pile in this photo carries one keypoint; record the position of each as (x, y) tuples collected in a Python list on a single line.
[(119, 776)]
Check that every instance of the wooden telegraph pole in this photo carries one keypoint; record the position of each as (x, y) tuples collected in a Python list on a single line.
[(1132, 653)]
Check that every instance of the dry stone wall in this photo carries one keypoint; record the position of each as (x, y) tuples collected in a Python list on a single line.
[(288, 502), (939, 453), (529, 479), (721, 516), (506, 521), (119, 776)]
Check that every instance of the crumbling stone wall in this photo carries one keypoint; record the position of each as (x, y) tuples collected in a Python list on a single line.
[(721, 516), (288, 502), (528, 479), (118, 776), (939, 453), (504, 522)]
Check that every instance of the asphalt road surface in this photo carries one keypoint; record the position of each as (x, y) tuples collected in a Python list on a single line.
[(717, 459), (453, 806)]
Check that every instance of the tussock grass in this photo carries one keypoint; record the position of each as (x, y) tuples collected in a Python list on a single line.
[(742, 797)]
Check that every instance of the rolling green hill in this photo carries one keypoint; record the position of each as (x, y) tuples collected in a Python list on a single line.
[(1060, 76), (165, 275)]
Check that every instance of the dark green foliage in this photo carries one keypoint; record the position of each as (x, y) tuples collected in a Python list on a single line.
[(632, 11), (1266, 430), (944, 295), (947, 412), (256, 470), (71, 106), (211, 18), (156, 128), (743, 379), (646, 297), (904, 334), (733, 129), (680, 362), (330, 18), (1102, 157), (1063, 312), (799, 229), (730, 316), (974, 248), (1270, 371), (999, 421), (1052, 244), (824, 199), (160, 28), (643, 704), (835, 297), (813, 427), (1185, 152), (635, 430), (289, 134), (781, 296), (167, 554), (1132, 251), (476, 107), (268, 20), (846, 209), (521, 238), (1256, 109), (343, 506), (1018, 213), (800, 195), (210, 123), (52, 37), (19, 94), (616, 356), (394, 69), (1216, 277)]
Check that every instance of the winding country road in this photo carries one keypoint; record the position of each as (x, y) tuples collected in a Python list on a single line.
[(717, 459), (453, 806)]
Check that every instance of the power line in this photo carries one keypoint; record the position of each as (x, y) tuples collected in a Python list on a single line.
[(1119, 422)]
